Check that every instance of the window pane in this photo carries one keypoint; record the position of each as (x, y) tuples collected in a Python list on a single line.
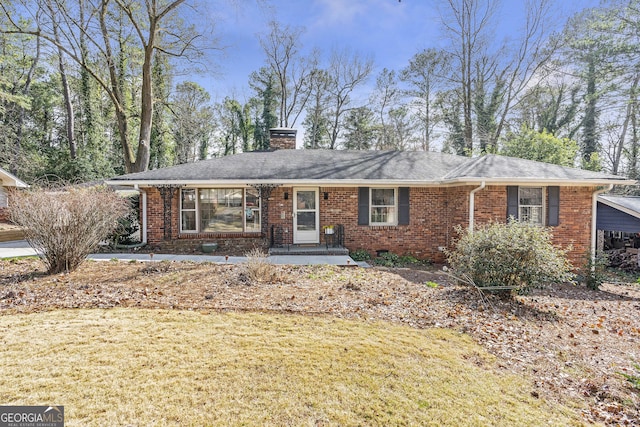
[(189, 198), (221, 210), (189, 221), (532, 214), (306, 221), (382, 197), (383, 215), (531, 196), (306, 199), (252, 210)]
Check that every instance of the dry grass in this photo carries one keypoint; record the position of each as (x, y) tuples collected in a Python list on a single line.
[(258, 268), (156, 367)]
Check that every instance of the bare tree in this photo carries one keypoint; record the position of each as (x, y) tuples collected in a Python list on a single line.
[(426, 74), (347, 72), (292, 70), (151, 22), (491, 77), (385, 98), (64, 81)]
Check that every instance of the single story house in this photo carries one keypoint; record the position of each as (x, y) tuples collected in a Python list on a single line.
[(8, 183), (404, 202)]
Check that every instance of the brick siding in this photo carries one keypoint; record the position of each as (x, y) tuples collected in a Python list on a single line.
[(435, 212)]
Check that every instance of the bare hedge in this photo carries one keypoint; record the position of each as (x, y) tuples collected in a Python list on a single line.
[(67, 225)]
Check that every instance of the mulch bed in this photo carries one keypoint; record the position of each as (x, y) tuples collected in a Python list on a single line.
[(573, 342)]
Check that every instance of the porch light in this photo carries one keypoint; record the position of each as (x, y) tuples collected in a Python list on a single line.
[(286, 195)]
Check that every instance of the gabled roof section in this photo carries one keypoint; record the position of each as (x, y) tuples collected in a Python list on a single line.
[(9, 180), (310, 165), (352, 167)]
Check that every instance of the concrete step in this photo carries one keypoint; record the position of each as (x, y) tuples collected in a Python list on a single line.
[(308, 250)]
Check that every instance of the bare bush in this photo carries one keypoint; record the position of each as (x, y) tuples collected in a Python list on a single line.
[(259, 269), (67, 225)]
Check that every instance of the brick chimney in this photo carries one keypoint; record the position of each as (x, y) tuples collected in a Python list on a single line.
[(282, 139)]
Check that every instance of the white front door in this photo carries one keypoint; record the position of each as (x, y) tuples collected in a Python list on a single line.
[(306, 221)]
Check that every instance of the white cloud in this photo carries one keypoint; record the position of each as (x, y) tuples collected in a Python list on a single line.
[(339, 12)]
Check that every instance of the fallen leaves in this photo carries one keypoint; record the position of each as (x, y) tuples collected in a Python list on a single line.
[(571, 340)]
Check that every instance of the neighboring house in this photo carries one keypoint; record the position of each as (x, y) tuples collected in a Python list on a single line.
[(8, 183), (405, 202)]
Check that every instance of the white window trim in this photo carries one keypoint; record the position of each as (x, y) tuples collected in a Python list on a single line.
[(197, 210), (4, 197), (244, 210), (395, 206), (189, 210), (544, 205)]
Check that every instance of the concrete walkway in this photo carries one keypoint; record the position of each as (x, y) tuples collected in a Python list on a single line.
[(21, 248)]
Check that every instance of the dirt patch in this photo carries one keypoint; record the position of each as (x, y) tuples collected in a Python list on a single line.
[(572, 342)]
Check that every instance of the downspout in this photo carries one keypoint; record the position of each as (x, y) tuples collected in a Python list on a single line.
[(594, 230), (472, 205), (143, 216)]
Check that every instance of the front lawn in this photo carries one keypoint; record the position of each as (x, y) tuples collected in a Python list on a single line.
[(569, 345), (159, 367)]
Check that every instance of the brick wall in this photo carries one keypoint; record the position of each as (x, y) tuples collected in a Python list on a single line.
[(573, 230), (228, 243), (434, 214)]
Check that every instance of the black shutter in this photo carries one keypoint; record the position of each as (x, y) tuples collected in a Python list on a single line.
[(512, 201), (363, 206), (554, 206), (403, 206)]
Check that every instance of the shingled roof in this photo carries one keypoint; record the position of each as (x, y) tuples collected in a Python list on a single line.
[(356, 167)]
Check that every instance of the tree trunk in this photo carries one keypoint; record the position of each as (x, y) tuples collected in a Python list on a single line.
[(66, 91)]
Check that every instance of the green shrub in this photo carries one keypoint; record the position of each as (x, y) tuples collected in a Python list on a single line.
[(593, 271), (128, 224), (389, 259), (634, 379), (360, 255), (514, 256)]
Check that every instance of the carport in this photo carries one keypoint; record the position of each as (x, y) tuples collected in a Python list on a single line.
[(619, 218)]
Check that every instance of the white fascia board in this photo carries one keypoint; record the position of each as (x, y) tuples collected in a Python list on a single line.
[(542, 182), (372, 182), (288, 183), (13, 181)]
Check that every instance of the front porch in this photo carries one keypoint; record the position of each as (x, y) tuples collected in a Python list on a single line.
[(330, 244)]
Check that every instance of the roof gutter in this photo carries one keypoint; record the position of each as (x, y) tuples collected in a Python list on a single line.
[(372, 182), (472, 205), (594, 228)]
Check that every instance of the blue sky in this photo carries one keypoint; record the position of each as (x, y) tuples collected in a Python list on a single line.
[(388, 30)]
